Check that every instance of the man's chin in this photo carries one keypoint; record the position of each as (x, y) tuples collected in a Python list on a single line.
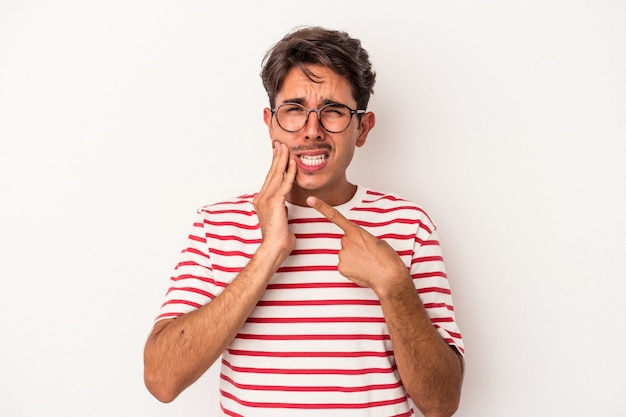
[(308, 182)]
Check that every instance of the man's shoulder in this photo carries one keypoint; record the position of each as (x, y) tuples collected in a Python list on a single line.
[(385, 198), (241, 204), (388, 202)]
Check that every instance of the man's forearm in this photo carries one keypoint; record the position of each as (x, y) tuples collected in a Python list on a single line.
[(431, 371), (180, 350)]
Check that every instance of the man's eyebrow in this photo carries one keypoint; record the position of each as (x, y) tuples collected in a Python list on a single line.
[(296, 100), (301, 100), (333, 102)]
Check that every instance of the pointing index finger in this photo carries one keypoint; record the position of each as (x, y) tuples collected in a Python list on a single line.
[(330, 213)]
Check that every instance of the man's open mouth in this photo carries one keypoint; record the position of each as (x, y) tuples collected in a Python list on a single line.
[(313, 160)]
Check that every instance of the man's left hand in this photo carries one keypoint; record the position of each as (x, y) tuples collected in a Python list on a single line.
[(363, 258)]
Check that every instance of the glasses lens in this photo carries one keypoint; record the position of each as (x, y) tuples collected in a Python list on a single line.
[(335, 117), (292, 117)]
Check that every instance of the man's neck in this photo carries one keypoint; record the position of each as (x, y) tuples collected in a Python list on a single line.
[(333, 196)]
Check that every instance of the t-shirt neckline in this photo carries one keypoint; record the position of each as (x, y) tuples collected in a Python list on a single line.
[(357, 198)]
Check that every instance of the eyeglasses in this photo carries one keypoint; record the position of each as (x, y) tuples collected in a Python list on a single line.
[(333, 117)]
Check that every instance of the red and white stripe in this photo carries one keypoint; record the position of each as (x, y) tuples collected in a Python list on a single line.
[(316, 344)]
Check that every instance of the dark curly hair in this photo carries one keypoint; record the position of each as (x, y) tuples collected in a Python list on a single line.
[(316, 45)]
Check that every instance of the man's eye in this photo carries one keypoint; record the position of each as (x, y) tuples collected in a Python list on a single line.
[(334, 111)]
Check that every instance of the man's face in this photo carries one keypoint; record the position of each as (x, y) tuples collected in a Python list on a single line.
[(321, 157)]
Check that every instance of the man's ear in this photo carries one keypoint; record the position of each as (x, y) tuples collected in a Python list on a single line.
[(368, 121), (267, 118)]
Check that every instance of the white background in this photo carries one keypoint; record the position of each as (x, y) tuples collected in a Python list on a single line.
[(505, 120)]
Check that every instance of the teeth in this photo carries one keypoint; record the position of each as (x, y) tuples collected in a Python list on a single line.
[(312, 160)]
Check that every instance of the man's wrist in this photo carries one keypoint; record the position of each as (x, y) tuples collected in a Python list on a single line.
[(269, 257), (396, 286)]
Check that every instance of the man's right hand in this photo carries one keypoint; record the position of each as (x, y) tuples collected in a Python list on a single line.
[(180, 350), (270, 202)]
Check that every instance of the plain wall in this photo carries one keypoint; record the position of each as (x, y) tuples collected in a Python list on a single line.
[(505, 120)]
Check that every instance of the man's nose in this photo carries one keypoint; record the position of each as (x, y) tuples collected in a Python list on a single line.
[(313, 126)]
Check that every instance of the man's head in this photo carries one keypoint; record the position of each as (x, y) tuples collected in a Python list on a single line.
[(319, 82), (333, 49)]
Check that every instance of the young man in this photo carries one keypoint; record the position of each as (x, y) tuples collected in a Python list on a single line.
[(324, 298)]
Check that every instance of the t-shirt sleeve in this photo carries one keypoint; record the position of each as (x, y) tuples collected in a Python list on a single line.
[(430, 279), (191, 283)]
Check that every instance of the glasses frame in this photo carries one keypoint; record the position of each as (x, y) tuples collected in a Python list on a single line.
[(319, 116)]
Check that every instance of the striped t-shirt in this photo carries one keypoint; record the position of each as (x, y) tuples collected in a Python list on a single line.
[(316, 344)]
